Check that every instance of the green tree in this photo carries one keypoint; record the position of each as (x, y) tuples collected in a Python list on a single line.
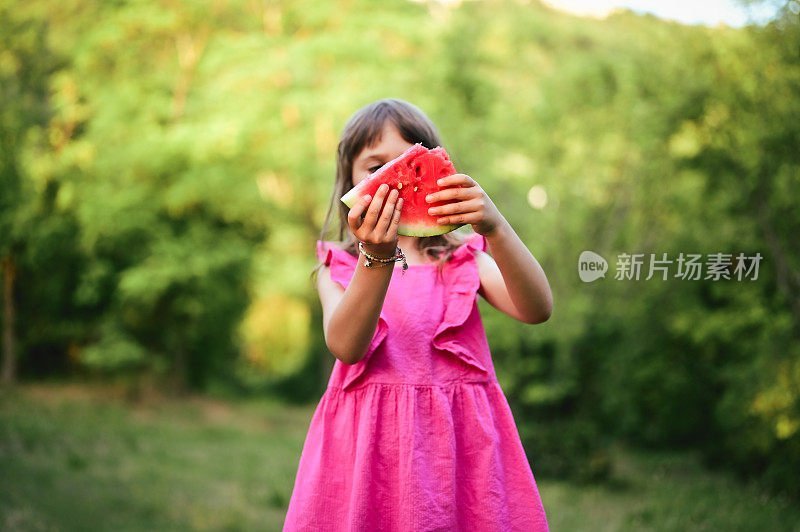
[(26, 64)]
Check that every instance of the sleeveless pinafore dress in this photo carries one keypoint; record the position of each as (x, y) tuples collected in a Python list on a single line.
[(418, 435)]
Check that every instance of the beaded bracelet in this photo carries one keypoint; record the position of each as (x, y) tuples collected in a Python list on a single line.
[(371, 259)]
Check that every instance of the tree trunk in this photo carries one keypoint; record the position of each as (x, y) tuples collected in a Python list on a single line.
[(9, 372)]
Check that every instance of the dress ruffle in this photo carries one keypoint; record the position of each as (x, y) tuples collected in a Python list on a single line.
[(463, 284)]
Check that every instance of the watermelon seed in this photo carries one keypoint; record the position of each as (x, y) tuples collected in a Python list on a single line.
[(399, 186), (415, 188)]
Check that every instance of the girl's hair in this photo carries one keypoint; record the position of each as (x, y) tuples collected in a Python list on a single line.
[(362, 130)]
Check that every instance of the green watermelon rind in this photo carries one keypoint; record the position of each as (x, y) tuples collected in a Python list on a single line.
[(350, 198), (426, 230), (405, 229)]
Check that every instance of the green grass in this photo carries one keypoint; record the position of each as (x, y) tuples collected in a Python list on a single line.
[(665, 491), (77, 458)]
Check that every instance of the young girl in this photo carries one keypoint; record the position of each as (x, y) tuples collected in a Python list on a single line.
[(413, 432)]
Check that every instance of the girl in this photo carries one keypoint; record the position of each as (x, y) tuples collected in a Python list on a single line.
[(413, 432)]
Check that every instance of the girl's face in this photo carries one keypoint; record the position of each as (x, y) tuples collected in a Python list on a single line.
[(390, 146)]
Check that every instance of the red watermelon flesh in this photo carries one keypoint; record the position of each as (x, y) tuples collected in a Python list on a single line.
[(414, 174)]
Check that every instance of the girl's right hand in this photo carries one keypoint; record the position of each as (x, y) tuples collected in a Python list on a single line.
[(379, 235)]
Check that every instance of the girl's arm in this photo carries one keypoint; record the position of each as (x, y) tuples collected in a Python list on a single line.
[(350, 317), (511, 278)]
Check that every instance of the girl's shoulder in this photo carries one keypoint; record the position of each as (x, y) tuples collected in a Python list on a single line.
[(327, 251), (470, 244), (341, 263), (475, 242)]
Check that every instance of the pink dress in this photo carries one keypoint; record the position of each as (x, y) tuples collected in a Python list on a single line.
[(418, 435)]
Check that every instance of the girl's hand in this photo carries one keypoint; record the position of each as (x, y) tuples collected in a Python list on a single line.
[(379, 235), (474, 208)]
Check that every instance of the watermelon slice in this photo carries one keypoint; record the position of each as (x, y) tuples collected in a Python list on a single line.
[(414, 174)]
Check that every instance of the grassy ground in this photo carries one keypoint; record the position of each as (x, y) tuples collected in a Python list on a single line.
[(78, 458)]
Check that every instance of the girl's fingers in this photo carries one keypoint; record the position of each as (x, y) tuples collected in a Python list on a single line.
[(375, 207), (461, 193), (456, 179), (468, 218), (354, 216), (396, 219), (470, 205), (388, 212)]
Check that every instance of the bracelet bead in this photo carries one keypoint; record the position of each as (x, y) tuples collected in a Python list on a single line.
[(370, 260)]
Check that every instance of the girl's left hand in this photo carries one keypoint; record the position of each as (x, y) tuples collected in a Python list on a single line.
[(474, 206)]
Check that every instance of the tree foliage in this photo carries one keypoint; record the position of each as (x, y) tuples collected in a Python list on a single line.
[(164, 182)]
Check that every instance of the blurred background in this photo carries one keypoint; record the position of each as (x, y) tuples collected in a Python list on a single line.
[(165, 169)]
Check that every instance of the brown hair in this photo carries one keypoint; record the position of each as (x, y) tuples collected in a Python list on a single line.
[(362, 130)]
